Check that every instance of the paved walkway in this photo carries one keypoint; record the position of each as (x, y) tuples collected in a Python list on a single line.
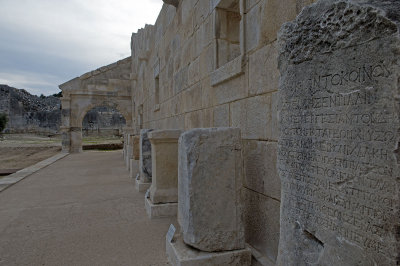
[(81, 210)]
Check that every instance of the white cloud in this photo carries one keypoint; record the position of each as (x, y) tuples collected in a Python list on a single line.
[(32, 82), (88, 33)]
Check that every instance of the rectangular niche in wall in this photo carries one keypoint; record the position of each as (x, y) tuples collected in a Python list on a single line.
[(228, 35), (227, 31)]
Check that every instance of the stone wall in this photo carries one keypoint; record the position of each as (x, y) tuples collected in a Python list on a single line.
[(213, 64)]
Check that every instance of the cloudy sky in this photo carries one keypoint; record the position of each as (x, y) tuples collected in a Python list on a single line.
[(44, 43)]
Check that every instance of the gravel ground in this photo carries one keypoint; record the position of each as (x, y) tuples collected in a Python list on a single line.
[(18, 151)]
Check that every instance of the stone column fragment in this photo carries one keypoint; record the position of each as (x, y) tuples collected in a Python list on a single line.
[(210, 183), (209, 200)]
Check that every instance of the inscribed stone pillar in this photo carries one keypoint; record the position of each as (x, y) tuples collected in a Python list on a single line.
[(145, 156), (210, 182), (164, 155), (338, 142)]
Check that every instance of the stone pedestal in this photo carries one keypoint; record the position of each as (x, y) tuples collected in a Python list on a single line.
[(210, 199), (180, 254), (164, 187), (160, 210), (145, 168)]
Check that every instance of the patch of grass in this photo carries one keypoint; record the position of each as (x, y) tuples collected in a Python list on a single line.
[(101, 140)]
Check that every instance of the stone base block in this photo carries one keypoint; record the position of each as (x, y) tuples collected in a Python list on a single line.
[(160, 210), (180, 254), (141, 186)]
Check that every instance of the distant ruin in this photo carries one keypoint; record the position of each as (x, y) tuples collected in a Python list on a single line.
[(29, 113), (42, 115)]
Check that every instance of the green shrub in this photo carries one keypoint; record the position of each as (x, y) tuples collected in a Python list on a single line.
[(3, 121)]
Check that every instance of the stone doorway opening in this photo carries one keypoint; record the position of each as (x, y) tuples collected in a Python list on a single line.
[(103, 121)]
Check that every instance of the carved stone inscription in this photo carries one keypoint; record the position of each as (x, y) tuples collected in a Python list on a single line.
[(336, 159)]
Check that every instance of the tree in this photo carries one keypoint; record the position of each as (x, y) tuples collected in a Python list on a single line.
[(58, 95), (3, 121)]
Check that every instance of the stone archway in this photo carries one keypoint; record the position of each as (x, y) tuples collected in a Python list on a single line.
[(107, 86)]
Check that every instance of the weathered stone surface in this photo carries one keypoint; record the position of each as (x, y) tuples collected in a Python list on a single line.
[(155, 211), (262, 220), (255, 116), (338, 142), (164, 155), (210, 185), (145, 166), (136, 147), (264, 79), (221, 116), (259, 161), (75, 134)]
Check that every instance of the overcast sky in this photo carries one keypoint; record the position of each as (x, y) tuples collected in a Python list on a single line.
[(44, 43)]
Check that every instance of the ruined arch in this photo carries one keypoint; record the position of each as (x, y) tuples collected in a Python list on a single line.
[(107, 86), (103, 120), (112, 103)]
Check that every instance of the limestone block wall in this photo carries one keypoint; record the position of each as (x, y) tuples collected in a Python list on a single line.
[(214, 64)]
